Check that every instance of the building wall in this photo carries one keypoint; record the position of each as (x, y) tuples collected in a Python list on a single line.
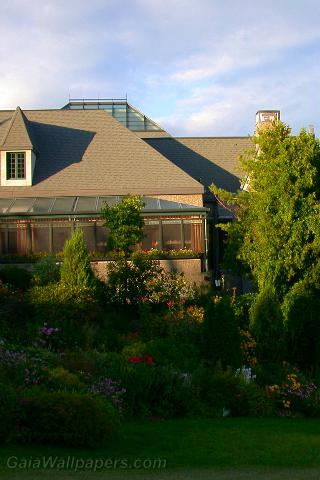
[(196, 200)]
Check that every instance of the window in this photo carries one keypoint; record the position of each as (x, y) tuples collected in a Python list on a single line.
[(16, 165)]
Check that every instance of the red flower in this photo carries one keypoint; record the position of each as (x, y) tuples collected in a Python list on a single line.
[(135, 359), (148, 359)]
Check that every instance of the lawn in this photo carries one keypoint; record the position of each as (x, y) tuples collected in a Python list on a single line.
[(219, 448)]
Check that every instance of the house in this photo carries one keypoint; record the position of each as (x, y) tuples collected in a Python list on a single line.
[(60, 166)]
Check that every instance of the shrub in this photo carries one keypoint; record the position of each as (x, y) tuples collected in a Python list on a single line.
[(220, 334), (266, 323), (8, 412), (66, 419), (221, 392), (128, 281), (241, 307), (46, 271), (301, 309), (73, 310), (184, 356), (15, 326), (76, 270), (16, 277), (61, 379)]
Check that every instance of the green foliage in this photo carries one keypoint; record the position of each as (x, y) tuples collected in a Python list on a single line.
[(125, 224), (73, 310), (301, 309), (221, 336), (14, 315), (66, 419), (8, 412), (128, 282), (16, 277), (266, 324), (76, 270), (241, 307), (45, 271), (278, 229), (220, 393)]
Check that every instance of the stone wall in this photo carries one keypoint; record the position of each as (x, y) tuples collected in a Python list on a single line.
[(190, 267)]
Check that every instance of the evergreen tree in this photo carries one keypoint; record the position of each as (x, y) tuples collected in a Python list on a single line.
[(76, 270), (277, 232)]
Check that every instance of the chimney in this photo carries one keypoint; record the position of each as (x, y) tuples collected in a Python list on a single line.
[(265, 117), (311, 130)]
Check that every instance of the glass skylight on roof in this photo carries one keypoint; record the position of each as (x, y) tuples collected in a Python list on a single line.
[(120, 109), (83, 205), (110, 201), (5, 204), (21, 205), (63, 205), (41, 205), (86, 204)]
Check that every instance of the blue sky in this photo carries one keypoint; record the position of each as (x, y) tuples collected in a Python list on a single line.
[(198, 67)]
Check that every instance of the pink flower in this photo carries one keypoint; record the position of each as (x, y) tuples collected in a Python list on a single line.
[(170, 303)]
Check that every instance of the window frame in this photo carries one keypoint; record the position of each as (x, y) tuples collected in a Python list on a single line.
[(13, 156)]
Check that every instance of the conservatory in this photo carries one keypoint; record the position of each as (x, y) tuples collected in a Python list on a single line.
[(35, 224)]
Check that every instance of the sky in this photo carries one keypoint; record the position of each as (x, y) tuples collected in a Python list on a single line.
[(197, 67)]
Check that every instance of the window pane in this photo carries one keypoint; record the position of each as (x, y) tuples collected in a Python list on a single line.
[(86, 204), (15, 165), (171, 234), (63, 205), (89, 236), (17, 240), (40, 238), (193, 237), (42, 205), (3, 243), (21, 205), (102, 238), (110, 201), (4, 204), (60, 233), (151, 239)]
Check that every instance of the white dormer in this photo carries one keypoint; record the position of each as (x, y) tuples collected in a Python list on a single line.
[(17, 156)]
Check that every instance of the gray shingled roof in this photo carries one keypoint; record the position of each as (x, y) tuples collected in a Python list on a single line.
[(206, 159), (17, 134), (86, 152)]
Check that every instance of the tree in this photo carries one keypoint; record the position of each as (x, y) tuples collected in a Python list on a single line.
[(125, 224), (277, 232), (76, 270)]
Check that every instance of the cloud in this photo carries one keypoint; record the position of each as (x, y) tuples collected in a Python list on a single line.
[(200, 67)]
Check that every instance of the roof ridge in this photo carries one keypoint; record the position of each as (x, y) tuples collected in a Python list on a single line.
[(18, 113)]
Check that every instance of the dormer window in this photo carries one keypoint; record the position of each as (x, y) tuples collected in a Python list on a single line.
[(16, 165)]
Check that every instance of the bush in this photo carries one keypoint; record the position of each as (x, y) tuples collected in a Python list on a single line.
[(301, 309), (46, 271), (241, 307), (8, 412), (16, 277), (66, 419), (128, 281), (72, 310), (172, 352), (220, 335), (221, 392), (266, 323), (15, 326)]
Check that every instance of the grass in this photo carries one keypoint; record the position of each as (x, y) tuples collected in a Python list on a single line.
[(218, 448)]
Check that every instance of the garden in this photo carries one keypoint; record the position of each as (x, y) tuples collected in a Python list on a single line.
[(95, 365)]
